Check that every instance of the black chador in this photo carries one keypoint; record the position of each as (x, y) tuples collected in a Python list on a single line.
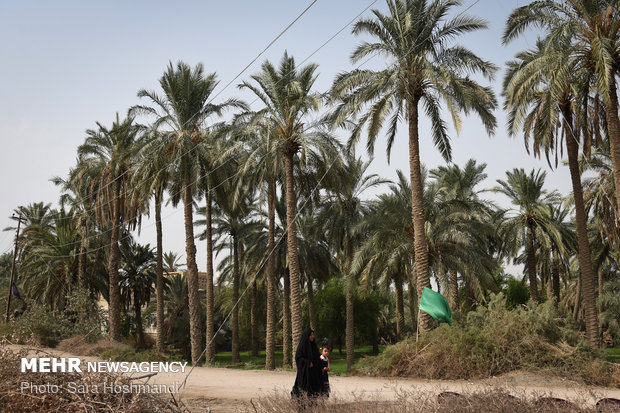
[(308, 361)]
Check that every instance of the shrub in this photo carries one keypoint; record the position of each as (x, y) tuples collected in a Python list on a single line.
[(43, 326), (495, 340)]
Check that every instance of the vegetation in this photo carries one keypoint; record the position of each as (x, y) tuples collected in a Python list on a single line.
[(493, 341), (298, 232)]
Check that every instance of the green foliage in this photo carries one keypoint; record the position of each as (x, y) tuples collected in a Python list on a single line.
[(331, 317), (496, 340), (516, 293), (43, 326), (609, 305)]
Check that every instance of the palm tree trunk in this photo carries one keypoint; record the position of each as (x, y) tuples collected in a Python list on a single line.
[(585, 259), (113, 263), (311, 308), (159, 281), (613, 126), (138, 313), (349, 307), (400, 307), (82, 256), (470, 296), (454, 290), (195, 331), (210, 299), (417, 212), (555, 271), (270, 362), (601, 281), (291, 227), (286, 321), (577, 299), (235, 297), (531, 265), (253, 320), (412, 300)]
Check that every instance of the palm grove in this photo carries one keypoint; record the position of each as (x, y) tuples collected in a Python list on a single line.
[(283, 203)]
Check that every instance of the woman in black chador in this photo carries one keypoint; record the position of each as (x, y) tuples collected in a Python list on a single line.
[(308, 361)]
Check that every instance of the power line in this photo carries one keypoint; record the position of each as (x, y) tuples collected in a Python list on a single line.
[(229, 83), (190, 150), (263, 51)]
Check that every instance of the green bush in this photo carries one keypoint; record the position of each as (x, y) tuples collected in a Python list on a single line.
[(493, 341), (40, 325), (516, 293), (330, 305)]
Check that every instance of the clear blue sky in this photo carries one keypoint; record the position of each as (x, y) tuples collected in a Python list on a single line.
[(67, 64)]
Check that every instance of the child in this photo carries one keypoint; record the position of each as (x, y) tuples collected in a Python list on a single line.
[(325, 370)]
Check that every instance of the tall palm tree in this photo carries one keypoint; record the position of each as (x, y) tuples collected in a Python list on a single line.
[(263, 167), (216, 161), (230, 222), (592, 29), (340, 211), (519, 227), (76, 193), (180, 115), (544, 91), (112, 151), (287, 94), (423, 69), (151, 178)]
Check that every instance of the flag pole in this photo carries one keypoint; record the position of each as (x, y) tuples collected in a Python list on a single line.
[(417, 330)]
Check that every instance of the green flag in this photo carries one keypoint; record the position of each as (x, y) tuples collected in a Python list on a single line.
[(435, 305)]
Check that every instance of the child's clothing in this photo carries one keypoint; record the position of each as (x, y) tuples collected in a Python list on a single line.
[(325, 362)]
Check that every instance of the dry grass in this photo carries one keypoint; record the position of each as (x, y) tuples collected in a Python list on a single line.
[(495, 341), (80, 347), (497, 400), (12, 399)]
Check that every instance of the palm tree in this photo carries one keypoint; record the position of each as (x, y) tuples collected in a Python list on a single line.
[(151, 178), (77, 189), (340, 211), (262, 167), (48, 256), (111, 153), (230, 221), (177, 313), (288, 99), (215, 163), (543, 89), (457, 189), (598, 194), (385, 255), (138, 273), (422, 69), (592, 30), (182, 110), (519, 227), (171, 262)]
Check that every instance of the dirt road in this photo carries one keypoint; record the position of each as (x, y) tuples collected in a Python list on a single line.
[(225, 390)]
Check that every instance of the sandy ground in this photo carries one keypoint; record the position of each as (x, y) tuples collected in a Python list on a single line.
[(209, 389)]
